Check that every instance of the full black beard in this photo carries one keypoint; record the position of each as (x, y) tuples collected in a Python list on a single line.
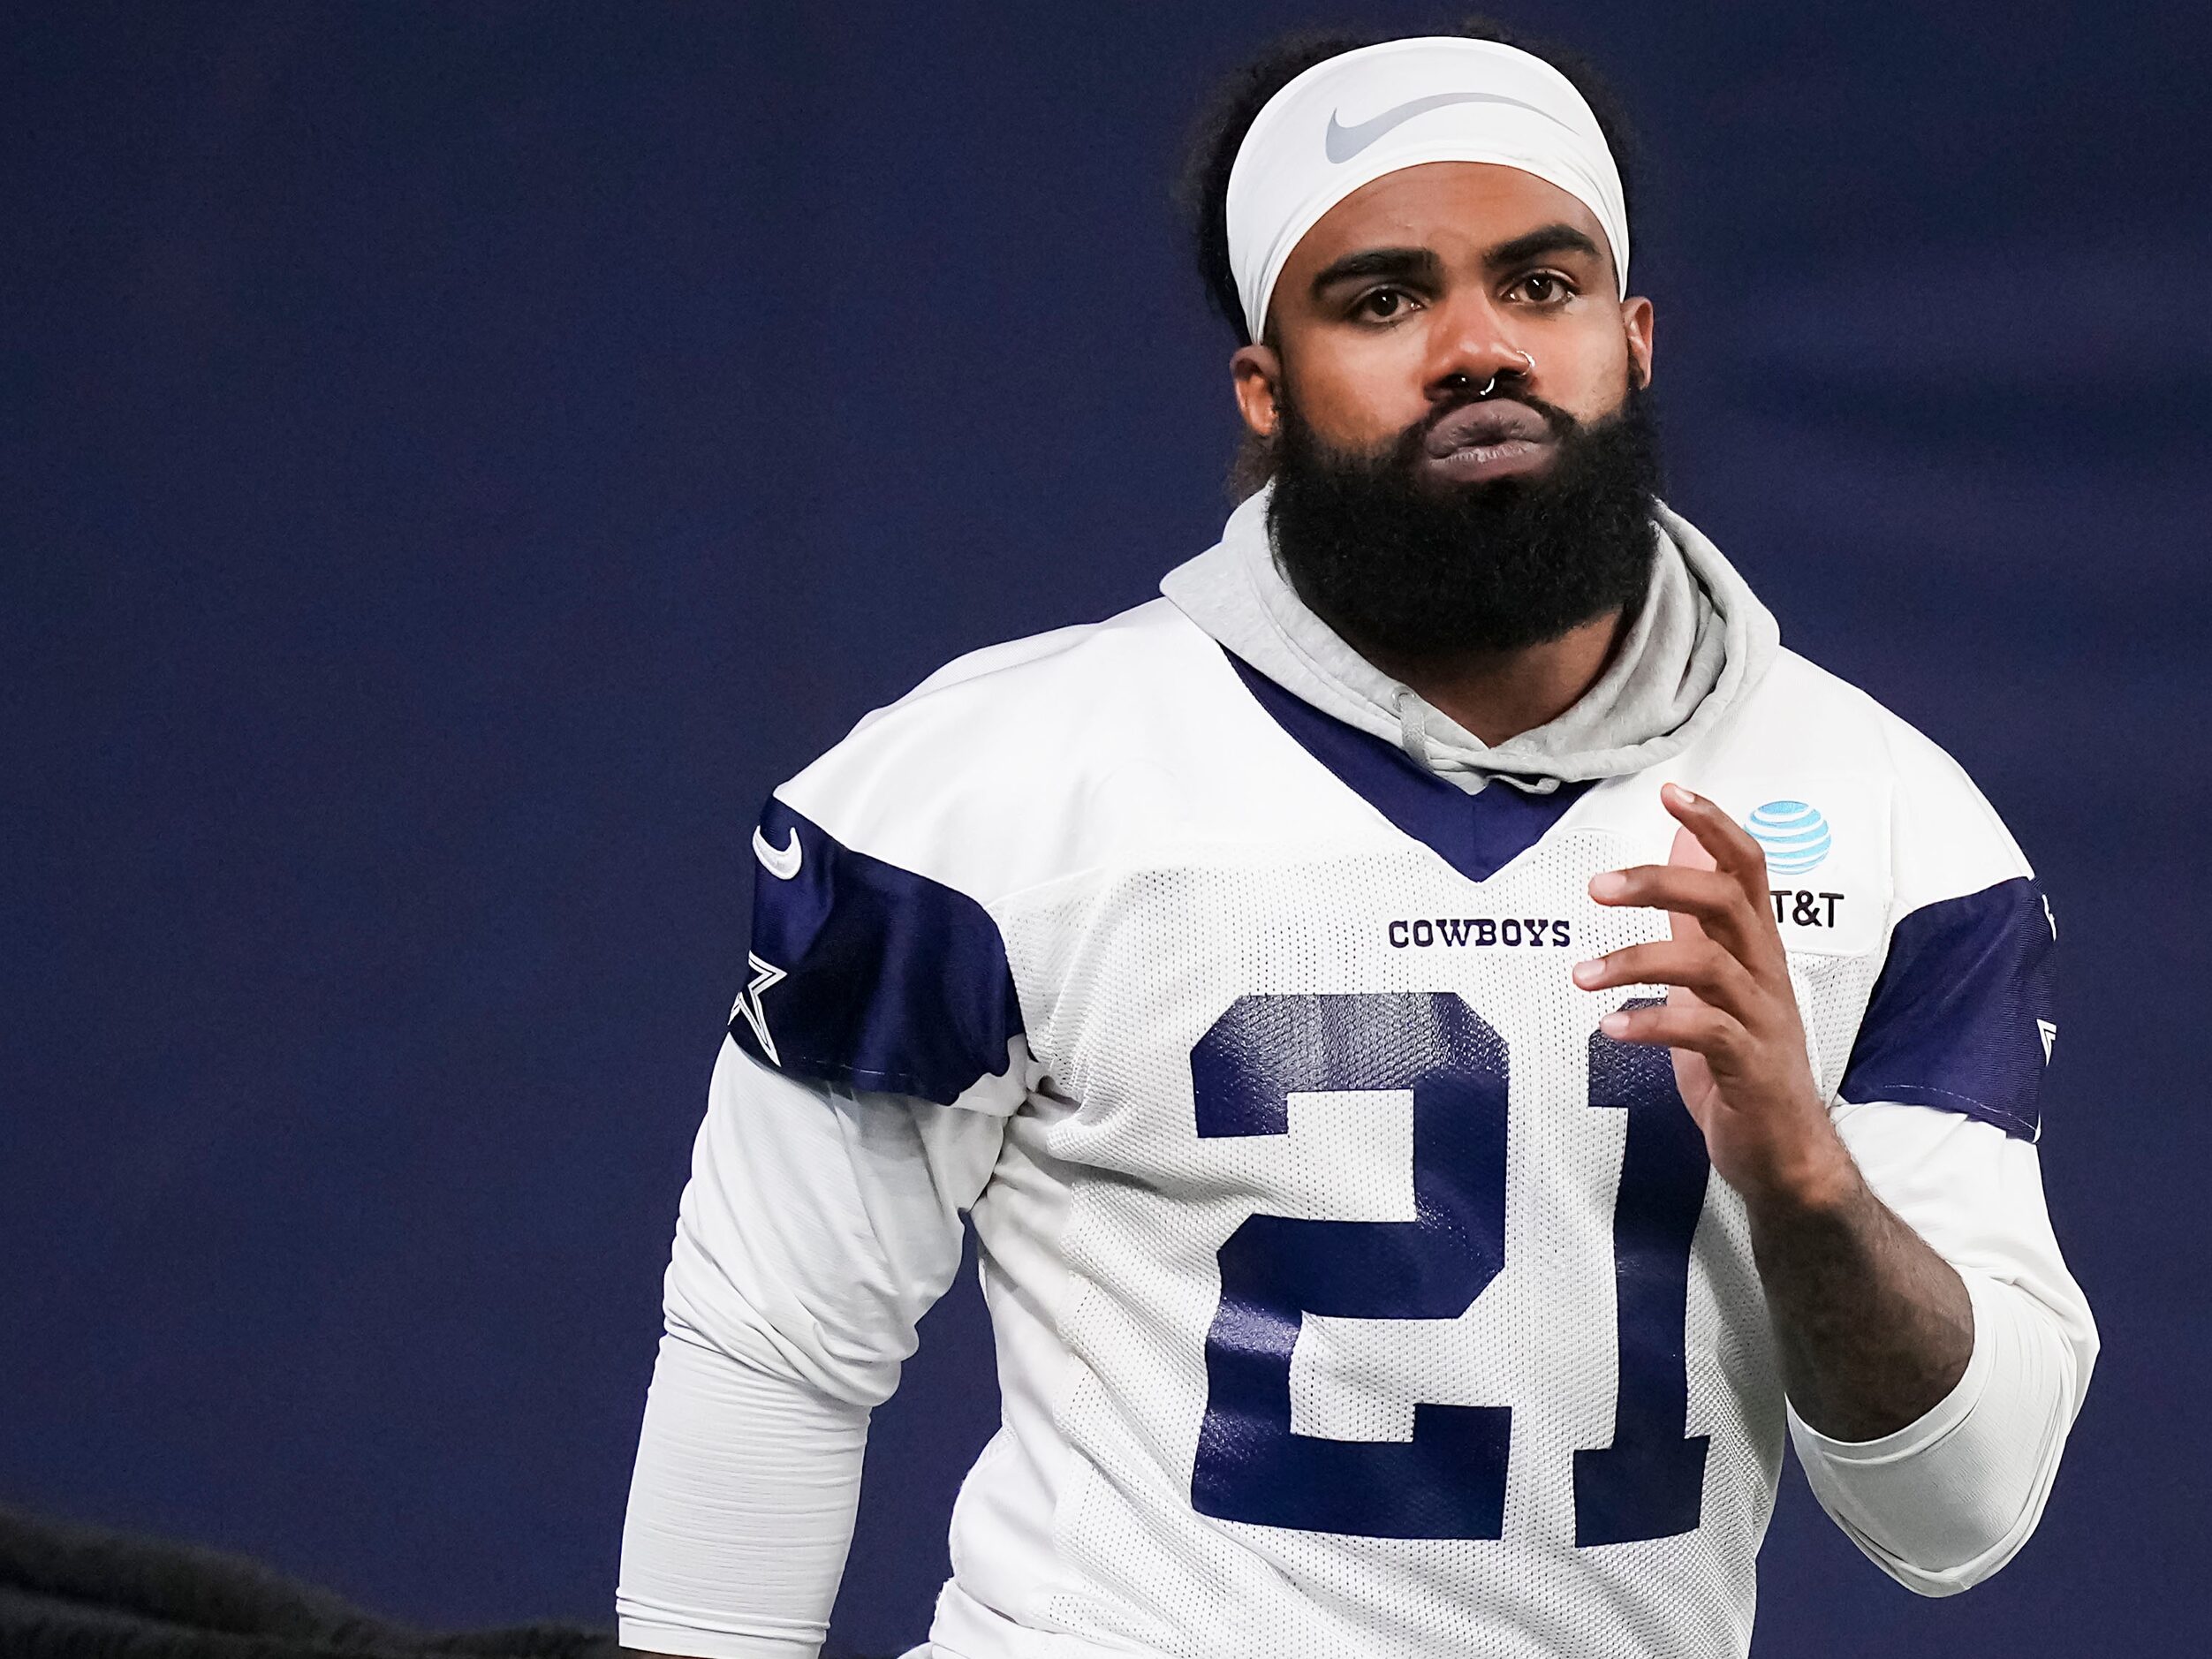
[(1425, 573)]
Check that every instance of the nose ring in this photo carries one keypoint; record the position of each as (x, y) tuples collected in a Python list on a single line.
[(1490, 385)]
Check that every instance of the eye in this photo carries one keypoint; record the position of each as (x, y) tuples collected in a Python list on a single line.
[(1382, 304), (1545, 288)]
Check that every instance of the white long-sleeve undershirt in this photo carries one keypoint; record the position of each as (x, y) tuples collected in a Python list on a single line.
[(818, 1226), (821, 1224)]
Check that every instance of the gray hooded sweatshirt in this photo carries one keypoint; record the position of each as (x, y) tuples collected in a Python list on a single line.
[(1701, 640)]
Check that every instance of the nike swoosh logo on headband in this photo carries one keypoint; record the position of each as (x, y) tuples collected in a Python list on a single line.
[(1342, 143)]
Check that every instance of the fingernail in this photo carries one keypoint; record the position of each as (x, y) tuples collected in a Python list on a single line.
[(1612, 884), (1678, 795), (1586, 971), (1613, 1025)]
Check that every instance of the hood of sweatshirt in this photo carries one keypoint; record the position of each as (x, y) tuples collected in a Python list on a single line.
[(1701, 641)]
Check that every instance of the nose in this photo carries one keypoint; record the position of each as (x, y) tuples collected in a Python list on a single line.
[(1471, 349)]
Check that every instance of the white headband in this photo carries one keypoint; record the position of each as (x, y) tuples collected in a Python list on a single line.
[(1351, 118)]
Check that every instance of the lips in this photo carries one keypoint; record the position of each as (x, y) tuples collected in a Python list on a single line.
[(1485, 425)]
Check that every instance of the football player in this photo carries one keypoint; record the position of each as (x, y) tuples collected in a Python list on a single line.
[(1453, 1041)]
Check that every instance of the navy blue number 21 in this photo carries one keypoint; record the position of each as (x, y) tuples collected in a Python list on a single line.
[(1448, 1481)]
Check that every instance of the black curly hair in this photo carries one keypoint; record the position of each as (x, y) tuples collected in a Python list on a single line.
[(1227, 116)]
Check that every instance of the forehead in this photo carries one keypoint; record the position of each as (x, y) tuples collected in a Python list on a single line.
[(1457, 209)]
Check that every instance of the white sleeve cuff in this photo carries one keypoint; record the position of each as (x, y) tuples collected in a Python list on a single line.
[(1948, 1499), (688, 1642)]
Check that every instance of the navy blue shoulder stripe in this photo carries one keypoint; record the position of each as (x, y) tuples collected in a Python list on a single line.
[(1961, 1018), (867, 974), (1477, 835)]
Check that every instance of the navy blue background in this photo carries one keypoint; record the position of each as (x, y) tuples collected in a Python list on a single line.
[(456, 459)]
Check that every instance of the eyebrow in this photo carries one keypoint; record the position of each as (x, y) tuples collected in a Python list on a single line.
[(1550, 239), (1416, 264)]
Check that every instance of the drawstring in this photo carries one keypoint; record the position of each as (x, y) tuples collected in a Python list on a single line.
[(1471, 775), (1412, 727)]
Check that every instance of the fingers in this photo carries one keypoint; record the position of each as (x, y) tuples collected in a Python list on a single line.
[(1707, 894), (1716, 901), (1699, 1028), (1709, 970), (1729, 900)]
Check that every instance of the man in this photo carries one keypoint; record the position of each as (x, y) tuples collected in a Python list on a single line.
[(1450, 1037)]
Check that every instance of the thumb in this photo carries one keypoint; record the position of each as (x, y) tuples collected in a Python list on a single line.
[(1688, 853)]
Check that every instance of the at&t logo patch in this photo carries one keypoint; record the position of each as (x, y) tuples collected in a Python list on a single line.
[(1794, 837)]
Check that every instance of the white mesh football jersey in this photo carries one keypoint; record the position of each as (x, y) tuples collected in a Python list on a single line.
[(1353, 1295)]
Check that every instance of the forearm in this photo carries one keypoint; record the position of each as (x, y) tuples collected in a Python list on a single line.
[(1944, 1501), (818, 1225), (1872, 1327), (740, 1511), (1947, 1499)]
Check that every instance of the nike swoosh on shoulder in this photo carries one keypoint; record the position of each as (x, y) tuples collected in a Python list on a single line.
[(781, 862), (1342, 143)]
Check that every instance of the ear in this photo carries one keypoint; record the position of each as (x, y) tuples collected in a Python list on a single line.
[(1255, 371), (1636, 323)]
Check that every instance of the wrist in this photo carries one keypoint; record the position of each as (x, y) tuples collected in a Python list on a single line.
[(1811, 1179)]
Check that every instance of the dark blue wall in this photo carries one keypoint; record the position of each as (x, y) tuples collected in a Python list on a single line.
[(457, 457)]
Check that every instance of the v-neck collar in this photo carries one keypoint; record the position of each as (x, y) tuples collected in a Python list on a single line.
[(1478, 835)]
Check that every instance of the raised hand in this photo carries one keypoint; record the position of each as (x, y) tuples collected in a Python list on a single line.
[(1731, 1017)]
